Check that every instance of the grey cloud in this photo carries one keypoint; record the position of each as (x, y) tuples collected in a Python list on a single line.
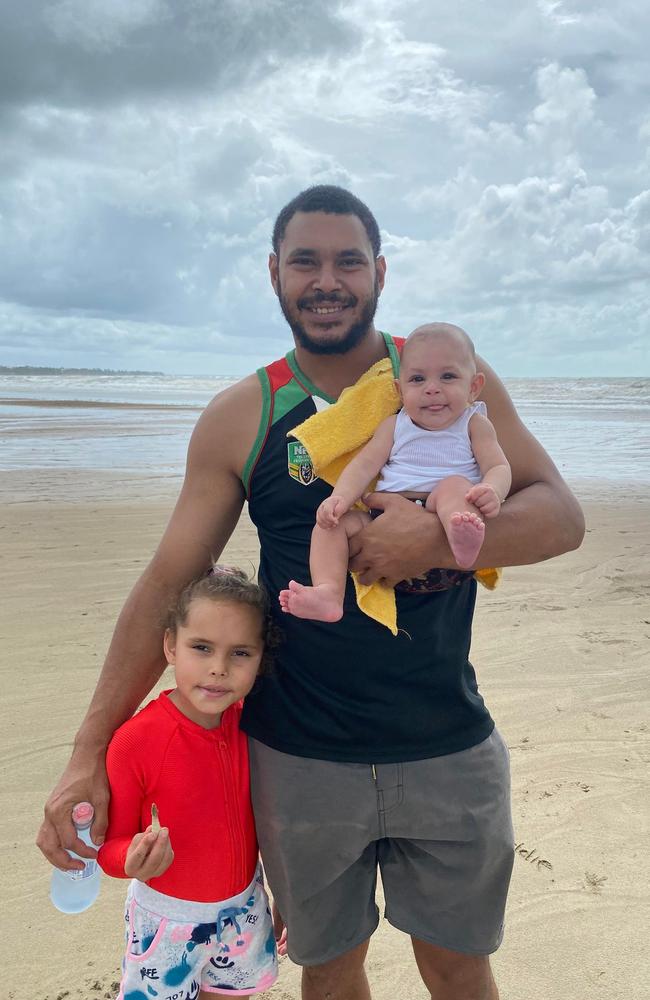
[(91, 54), (495, 45), (148, 145)]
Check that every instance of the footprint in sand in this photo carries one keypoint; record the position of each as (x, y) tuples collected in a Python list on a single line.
[(594, 882)]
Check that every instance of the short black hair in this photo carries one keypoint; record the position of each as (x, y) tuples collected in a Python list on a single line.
[(334, 201)]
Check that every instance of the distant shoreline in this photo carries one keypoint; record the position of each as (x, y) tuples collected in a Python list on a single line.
[(31, 370), (96, 404)]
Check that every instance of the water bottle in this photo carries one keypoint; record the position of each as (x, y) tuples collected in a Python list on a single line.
[(75, 891)]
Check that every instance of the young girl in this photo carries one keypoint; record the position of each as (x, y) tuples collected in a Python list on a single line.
[(197, 915)]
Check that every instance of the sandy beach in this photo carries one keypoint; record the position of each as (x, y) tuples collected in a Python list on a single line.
[(561, 651)]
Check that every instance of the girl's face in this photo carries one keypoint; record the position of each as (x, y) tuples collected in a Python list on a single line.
[(216, 655)]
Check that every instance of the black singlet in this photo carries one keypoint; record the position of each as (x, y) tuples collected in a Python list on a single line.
[(349, 690)]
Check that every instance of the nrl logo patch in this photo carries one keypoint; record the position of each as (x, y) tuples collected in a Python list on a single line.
[(299, 464)]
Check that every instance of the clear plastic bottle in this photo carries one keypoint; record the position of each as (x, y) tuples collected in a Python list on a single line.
[(75, 891)]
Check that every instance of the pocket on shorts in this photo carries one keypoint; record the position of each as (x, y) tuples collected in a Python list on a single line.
[(145, 930)]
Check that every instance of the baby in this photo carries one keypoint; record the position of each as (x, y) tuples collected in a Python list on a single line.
[(440, 450)]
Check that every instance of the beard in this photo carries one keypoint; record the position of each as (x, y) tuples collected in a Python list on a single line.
[(348, 340)]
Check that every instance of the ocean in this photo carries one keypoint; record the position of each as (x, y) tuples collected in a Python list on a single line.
[(597, 430)]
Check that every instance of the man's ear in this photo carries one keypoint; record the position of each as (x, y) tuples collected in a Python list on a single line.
[(380, 268), (169, 646), (274, 272), (476, 385)]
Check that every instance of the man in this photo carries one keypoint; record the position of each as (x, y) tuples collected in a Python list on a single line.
[(365, 749)]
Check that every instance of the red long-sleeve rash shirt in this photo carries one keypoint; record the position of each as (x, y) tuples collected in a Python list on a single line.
[(199, 780)]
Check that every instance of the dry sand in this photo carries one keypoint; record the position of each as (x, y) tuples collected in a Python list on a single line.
[(561, 651)]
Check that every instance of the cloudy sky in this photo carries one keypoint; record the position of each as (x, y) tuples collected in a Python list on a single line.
[(147, 145)]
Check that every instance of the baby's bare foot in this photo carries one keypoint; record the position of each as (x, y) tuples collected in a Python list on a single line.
[(466, 533), (322, 603)]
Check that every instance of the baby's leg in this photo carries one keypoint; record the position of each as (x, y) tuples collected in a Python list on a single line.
[(461, 520), (328, 565)]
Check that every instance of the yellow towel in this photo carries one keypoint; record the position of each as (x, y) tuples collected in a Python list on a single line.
[(334, 436)]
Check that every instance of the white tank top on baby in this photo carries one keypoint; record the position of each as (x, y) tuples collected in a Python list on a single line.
[(420, 459)]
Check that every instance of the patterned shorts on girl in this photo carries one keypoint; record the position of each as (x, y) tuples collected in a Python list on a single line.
[(175, 949)]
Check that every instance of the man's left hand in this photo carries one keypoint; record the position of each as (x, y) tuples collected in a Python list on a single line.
[(404, 542)]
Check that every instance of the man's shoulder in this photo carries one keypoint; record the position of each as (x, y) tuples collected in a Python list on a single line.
[(245, 393), (229, 424), (228, 428), (245, 398)]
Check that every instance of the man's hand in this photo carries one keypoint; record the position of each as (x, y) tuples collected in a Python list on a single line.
[(84, 780), (331, 509), (404, 542), (149, 855)]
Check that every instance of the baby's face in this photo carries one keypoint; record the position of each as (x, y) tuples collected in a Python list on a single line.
[(438, 379)]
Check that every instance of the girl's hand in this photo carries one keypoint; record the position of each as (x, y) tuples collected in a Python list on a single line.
[(485, 498), (329, 512), (149, 855)]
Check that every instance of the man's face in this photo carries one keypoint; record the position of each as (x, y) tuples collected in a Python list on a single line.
[(327, 281)]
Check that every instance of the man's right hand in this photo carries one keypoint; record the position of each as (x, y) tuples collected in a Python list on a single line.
[(84, 780)]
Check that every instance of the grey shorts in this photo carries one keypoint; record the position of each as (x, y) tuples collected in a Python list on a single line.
[(439, 830)]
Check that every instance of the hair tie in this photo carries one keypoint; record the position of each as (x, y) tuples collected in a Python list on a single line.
[(220, 569)]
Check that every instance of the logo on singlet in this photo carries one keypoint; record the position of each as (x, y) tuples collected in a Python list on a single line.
[(299, 464)]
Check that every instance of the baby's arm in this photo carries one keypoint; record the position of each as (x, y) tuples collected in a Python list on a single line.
[(128, 852), (489, 494), (358, 473)]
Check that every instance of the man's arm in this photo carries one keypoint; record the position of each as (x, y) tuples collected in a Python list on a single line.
[(540, 519), (205, 516)]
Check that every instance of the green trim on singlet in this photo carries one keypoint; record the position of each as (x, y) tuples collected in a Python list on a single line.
[(262, 429), (286, 397), (393, 353), (290, 395), (302, 378)]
